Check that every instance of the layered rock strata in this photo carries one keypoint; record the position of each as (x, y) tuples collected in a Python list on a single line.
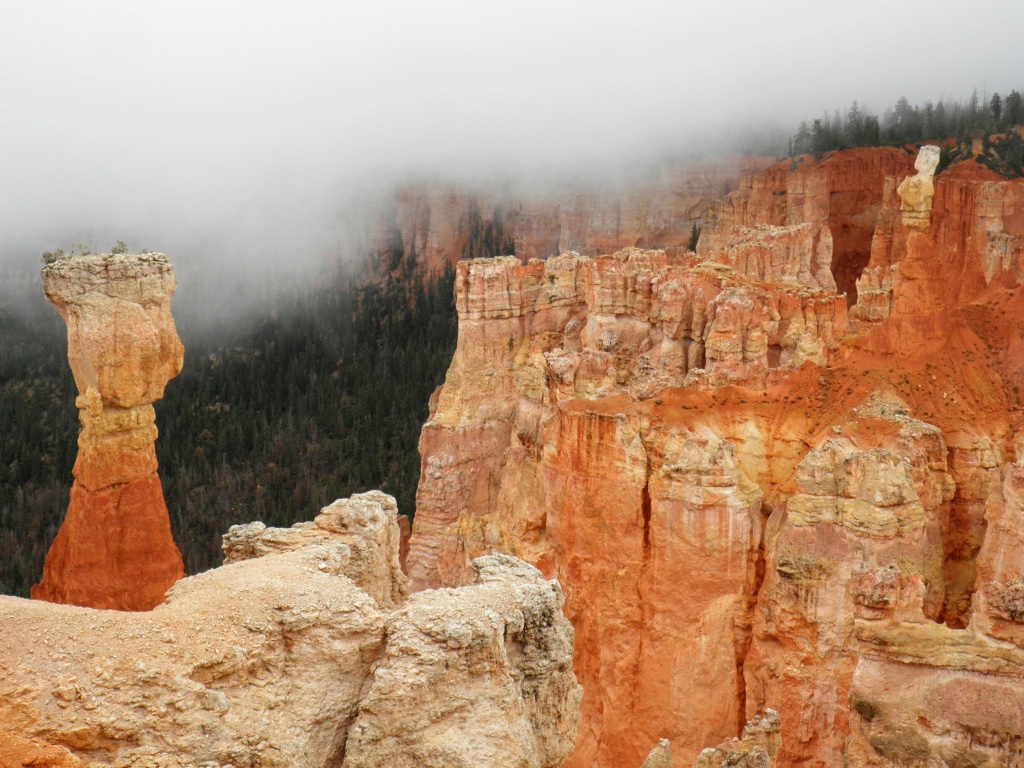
[(302, 651), (114, 548), (737, 483), (810, 221)]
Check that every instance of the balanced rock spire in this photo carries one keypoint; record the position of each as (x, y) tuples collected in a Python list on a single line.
[(114, 548)]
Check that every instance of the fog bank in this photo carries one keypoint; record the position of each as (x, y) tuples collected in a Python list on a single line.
[(237, 131)]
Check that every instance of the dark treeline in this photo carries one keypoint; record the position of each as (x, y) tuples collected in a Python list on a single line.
[(38, 439), (903, 123), (322, 397)]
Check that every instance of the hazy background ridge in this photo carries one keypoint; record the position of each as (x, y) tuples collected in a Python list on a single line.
[(237, 131)]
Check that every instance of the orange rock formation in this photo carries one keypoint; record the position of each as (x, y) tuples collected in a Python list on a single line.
[(755, 492), (114, 549), (18, 752)]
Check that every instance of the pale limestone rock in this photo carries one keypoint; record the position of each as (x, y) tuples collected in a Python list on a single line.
[(874, 295), (757, 747), (916, 192), (366, 523), (479, 677), (882, 491), (254, 663), (798, 254), (295, 654), (660, 756)]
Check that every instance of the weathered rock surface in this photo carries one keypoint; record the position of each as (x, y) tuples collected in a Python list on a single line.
[(660, 756), (916, 192), (362, 523), (281, 658), (734, 483), (812, 222), (114, 548), (19, 752), (927, 695), (757, 747), (479, 676)]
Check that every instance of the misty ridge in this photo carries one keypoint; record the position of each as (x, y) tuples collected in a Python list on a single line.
[(237, 265)]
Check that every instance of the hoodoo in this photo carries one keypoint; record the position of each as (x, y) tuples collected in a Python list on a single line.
[(114, 548)]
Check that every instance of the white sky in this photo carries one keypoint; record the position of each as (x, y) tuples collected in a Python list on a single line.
[(177, 116)]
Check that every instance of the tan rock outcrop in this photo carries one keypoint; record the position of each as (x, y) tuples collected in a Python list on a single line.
[(916, 192), (114, 548), (281, 658), (479, 676), (660, 756), (367, 524), (757, 747), (731, 482)]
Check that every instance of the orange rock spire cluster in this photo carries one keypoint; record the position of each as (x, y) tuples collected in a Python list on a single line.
[(114, 549), (758, 492)]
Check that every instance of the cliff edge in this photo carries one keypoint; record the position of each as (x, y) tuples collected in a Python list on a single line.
[(303, 651)]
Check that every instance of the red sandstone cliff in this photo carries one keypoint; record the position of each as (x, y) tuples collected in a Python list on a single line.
[(114, 548), (752, 496)]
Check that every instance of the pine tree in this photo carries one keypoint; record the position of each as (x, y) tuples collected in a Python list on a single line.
[(995, 107), (1013, 109), (802, 143)]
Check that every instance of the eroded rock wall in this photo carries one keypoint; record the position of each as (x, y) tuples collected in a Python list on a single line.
[(732, 480), (812, 219)]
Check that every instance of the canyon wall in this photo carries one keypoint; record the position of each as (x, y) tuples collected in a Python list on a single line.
[(303, 650), (780, 472), (114, 548)]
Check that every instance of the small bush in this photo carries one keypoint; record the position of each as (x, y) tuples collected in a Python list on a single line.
[(901, 744), (866, 709)]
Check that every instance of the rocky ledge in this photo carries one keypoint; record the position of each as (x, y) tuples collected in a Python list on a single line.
[(304, 650)]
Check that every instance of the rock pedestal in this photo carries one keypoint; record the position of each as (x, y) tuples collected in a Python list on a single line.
[(114, 549), (916, 192)]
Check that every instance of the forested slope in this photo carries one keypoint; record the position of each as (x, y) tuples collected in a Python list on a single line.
[(321, 396)]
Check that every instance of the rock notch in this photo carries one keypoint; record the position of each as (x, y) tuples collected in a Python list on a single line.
[(114, 548)]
